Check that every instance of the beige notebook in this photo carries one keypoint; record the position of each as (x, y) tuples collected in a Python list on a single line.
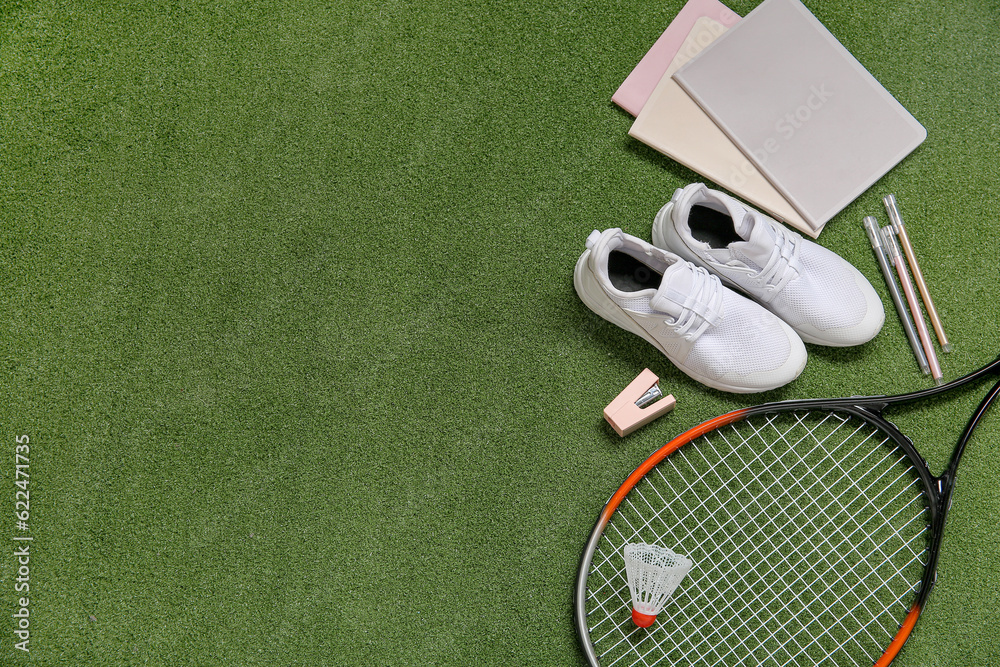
[(672, 123)]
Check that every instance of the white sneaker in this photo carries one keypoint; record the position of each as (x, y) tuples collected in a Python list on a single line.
[(711, 333), (818, 293)]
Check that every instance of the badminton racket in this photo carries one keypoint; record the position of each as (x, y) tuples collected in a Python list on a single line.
[(814, 527)]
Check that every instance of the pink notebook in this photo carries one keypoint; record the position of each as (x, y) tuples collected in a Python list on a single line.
[(637, 87)]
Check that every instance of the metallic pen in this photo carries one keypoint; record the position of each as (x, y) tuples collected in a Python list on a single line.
[(875, 236), (892, 208), (889, 236)]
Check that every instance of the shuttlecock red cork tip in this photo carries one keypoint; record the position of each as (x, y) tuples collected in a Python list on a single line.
[(641, 619)]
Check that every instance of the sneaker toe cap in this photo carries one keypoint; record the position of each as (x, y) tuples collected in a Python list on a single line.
[(861, 329), (753, 351)]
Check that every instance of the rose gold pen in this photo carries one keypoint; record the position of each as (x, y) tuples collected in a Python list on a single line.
[(889, 234), (892, 208)]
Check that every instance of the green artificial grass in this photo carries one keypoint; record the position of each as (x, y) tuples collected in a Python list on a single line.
[(288, 317)]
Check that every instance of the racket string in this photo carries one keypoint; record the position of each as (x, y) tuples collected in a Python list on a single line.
[(831, 521), (808, 475)]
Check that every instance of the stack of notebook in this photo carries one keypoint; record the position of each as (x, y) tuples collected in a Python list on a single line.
[(770, 107)]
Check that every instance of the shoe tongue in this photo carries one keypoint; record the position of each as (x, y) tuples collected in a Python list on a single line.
[(759, 241), (674, 289)]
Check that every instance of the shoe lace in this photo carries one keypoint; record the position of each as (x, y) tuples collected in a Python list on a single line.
[(700, 307), (780, 266)]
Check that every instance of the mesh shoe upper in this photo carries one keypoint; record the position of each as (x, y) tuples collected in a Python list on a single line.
[(823, 297)]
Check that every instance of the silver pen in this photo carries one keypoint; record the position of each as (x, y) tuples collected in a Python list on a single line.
[(875, 236)]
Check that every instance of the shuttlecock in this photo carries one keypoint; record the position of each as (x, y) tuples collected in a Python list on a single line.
[(653, 574)]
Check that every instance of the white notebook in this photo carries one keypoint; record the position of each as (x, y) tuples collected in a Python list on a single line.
[(672, 123), (812, 119)]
